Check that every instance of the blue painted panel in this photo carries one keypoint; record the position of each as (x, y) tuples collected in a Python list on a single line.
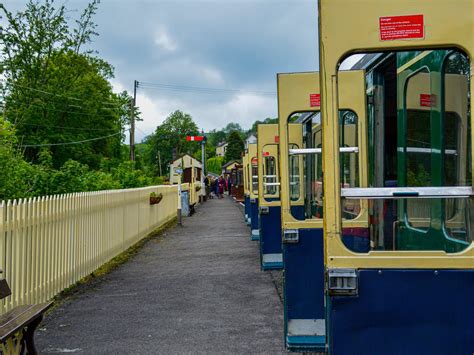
[(254, 214), (270, 231), (304, 276), (356, 239), (405, 312), (298, 212)]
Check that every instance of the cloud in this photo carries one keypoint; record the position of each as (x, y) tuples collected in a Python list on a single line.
[(164, 41), (204, 43)]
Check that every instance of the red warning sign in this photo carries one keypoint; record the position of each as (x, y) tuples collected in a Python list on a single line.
[(427, 100), (266, 154), (401, 27), (314, 100), (277, 139), (254, 161)]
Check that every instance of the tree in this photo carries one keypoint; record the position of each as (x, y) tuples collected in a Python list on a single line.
[(56, 91), (214, 165), (235, 147), (170, 137)]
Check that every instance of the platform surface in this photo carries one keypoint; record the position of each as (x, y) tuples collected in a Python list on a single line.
[(197, 290)]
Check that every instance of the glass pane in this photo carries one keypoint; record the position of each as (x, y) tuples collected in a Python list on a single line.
[(456, 236), (419, 135), (349, 161), (295, 177), (254, 176), (270, 177), (419, 100), (457, 142)]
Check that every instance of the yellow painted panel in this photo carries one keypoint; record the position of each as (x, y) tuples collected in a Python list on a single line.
[(253, 175), (294, 92), (445, 24), (267, 141)]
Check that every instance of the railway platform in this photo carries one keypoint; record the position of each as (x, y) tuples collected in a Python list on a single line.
[(197, 289)]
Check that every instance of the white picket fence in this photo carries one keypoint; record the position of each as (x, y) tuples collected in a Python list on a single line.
[(49, 243)]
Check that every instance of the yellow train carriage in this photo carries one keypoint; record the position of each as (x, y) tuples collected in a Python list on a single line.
[(411, 293)]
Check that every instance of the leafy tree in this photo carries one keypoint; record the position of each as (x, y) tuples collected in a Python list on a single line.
[(55, 90), (170, 137), (214, 165), (235, 148), (232, 126)]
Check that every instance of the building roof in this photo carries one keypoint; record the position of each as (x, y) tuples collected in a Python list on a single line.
[(230, 163), (186, 155)]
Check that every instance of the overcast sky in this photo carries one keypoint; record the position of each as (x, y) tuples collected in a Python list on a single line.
[(223, 44)]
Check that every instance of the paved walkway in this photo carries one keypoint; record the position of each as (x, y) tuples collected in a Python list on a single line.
[(197, 290)]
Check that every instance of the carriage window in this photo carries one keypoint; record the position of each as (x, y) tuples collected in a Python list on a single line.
[(270, 176), (349, 160), (419, 141), (254, 176), (303, 169), (417, 155), (294, 162), (458, 218)]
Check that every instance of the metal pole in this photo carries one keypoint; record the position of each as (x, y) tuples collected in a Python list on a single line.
[(132, 123), (203, 170)]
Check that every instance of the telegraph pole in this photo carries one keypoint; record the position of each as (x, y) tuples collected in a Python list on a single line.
[(132, 123)]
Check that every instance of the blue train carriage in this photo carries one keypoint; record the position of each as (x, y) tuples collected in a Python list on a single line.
[(269, 197), (245, 169), (411, 293), (302, 215), (253, 190)]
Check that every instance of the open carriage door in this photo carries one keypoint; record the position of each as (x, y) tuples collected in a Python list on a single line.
[(269, 197), (302, 198), (253, 190), (412, 291)]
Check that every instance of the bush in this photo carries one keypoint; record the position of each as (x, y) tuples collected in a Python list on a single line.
[(214, 165)]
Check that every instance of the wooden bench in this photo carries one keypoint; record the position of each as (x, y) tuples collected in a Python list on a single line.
[(17, 327)]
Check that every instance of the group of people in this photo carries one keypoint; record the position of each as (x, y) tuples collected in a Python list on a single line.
[(217, 186)]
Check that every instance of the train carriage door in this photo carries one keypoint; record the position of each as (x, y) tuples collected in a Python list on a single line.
[(253, 190), (246, 188), (302, 197), (269, 197), (410, 293)]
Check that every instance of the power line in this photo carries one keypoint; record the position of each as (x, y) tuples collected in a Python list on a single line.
[(63, 96), (203, 90), (72, 128), (69, 143)]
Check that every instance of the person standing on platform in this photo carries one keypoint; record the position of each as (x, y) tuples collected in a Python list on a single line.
[(221, 187)]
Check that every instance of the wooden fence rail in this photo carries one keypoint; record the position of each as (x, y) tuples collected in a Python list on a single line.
[(49, 243)]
